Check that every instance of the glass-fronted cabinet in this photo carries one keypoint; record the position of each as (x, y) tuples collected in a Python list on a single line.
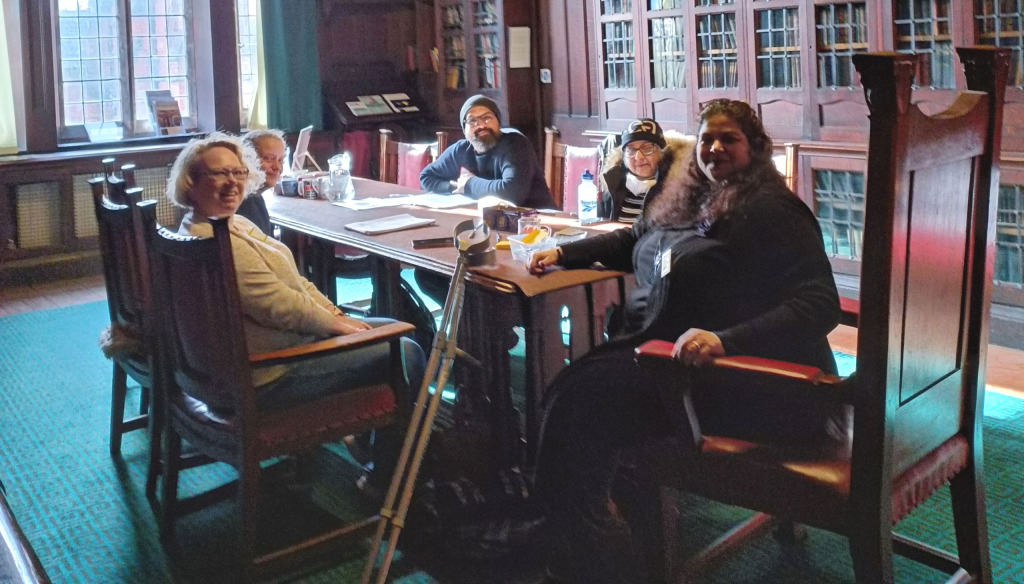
[(474, 58)]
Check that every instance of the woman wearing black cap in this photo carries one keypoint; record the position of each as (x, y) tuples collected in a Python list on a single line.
[(645, 159)]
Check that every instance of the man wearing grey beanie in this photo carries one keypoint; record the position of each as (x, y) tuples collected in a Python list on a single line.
[(491, 160)]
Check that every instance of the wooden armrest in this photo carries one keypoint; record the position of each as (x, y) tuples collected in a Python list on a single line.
[(777, 371), (333, 345), (850, 308)]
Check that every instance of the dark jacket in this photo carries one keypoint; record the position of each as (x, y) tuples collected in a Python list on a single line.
[(254, 208), (674, 160), (758, 277), (510, 171)]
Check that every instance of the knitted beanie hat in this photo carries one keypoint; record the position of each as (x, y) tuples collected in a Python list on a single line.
[(479, 100)]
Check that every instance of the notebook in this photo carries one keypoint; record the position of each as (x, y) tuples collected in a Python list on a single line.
[(389, 224)]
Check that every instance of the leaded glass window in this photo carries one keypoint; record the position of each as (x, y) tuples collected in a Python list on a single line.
[(111, 52), (248, 58), (924, 27), (1009, 268), (839, 206), (619, 56), (842, 31), (668, 57), (999, 24), (778, 47), (716, 46)]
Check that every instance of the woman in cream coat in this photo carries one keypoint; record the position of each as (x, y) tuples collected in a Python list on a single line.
[(281, 309)]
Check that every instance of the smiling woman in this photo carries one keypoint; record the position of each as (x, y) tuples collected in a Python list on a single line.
[(281, 309)]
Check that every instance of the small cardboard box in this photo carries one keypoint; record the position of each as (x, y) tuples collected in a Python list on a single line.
[(505, 217)]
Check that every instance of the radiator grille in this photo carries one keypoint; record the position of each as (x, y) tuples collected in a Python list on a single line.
[(85, 216), (38, 212), (154, 181), (154, 184)]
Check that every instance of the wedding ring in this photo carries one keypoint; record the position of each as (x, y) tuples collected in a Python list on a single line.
[(696, 345)]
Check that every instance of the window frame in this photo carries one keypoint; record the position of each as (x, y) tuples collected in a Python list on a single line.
[(216, 81), (132, 124)]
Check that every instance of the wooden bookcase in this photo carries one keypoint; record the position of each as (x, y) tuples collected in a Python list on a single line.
[(473, 57)]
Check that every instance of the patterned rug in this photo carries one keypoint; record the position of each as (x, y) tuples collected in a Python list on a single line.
[(87, 517)]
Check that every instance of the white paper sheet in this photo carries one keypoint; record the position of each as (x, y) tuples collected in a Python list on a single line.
[(429, 200), (389, 224), (376, 202), (443, 201)]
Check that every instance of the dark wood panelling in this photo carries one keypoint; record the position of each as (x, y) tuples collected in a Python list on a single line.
[(40, 97)]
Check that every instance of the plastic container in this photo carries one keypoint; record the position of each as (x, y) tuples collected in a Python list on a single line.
[(521, 252)]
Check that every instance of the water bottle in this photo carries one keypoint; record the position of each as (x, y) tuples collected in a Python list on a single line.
[(340, 183), (586, 198)]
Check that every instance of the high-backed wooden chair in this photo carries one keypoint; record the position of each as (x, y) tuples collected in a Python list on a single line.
[(126, 275), (563, 166), (918, 390), (401, 162), (208, 398)]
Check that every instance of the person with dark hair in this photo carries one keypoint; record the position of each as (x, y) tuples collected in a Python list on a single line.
[(728, 261), (641, 163), (491, 160)]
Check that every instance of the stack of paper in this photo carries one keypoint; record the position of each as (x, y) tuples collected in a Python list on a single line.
[(389, 224), (430, 200)]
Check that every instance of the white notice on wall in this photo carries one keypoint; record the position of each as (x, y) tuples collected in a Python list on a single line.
[(518, 47)]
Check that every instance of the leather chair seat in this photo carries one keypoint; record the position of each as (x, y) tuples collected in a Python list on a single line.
[(813, 489), (361, 408)]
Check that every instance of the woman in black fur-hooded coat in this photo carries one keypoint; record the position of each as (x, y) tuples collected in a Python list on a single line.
[(727, 261)]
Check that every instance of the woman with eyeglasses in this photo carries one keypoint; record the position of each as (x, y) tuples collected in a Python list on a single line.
[(280, 308), (728, 261), (645, 159), (269, 146)]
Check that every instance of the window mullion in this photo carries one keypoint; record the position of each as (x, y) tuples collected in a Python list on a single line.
[(128, 113)]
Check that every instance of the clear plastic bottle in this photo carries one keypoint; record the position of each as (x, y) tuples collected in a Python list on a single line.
[(586, 198)]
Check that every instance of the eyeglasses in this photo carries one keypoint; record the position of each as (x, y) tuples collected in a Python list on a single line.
[(271, 159), (481, 121), (647, 150), (238, 174)]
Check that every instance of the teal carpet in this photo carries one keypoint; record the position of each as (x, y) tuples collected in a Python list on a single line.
[(87, 517)]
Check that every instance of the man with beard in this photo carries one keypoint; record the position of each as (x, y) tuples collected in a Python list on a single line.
[(491, 161)]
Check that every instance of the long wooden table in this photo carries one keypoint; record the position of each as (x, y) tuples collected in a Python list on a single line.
[(497, 298)]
